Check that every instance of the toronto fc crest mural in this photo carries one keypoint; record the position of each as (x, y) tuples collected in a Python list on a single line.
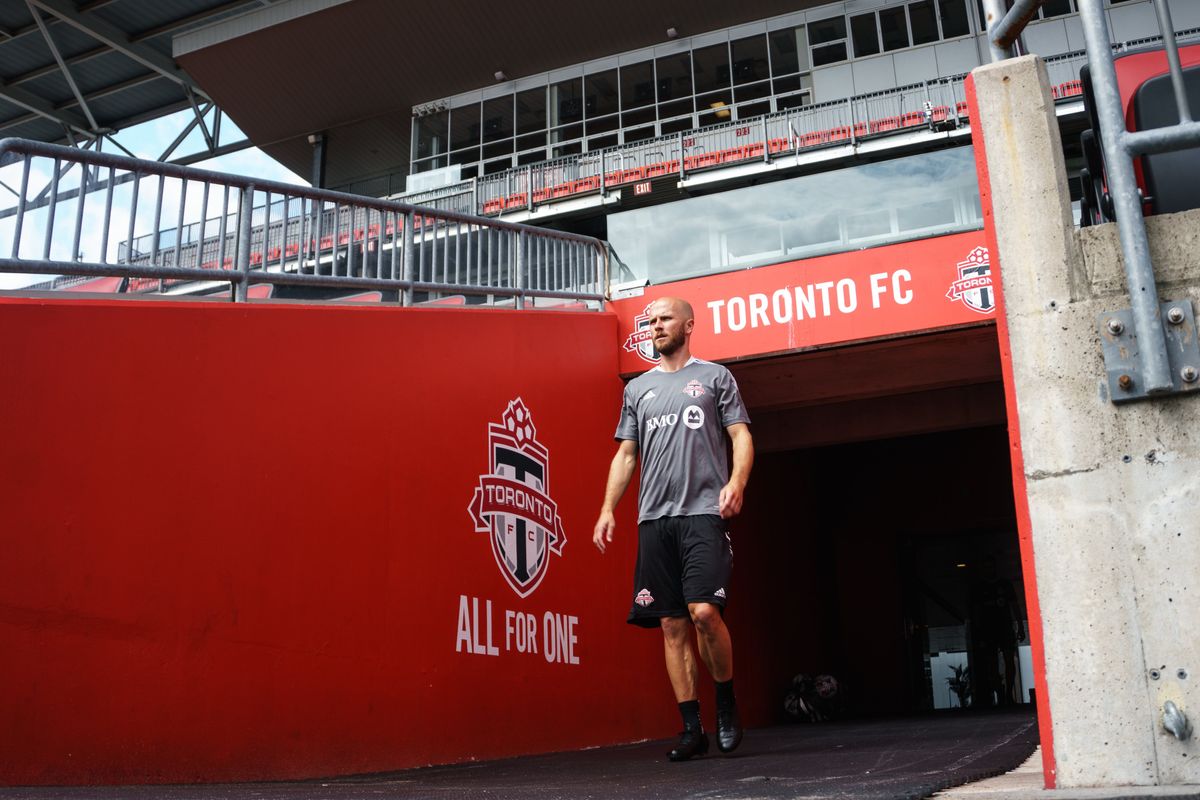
[(512, 502)]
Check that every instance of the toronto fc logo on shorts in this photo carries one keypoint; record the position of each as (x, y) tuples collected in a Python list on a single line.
[(694, 389), (644, 598), (974, 285), (512, 502), (641, 341)]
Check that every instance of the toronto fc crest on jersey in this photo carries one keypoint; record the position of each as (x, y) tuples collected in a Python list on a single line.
[(974, 285), (641, 341), (512, 502)]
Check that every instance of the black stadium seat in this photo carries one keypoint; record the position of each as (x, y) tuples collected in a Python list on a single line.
[(1171, 180), (1166, 180)]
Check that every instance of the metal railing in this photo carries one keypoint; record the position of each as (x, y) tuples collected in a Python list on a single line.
[(212, 227), (1120, 146)]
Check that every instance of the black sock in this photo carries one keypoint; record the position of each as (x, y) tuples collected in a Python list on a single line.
[(690, 711), (725, 694)]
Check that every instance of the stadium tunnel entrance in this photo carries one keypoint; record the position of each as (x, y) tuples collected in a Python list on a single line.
[(878, 544)]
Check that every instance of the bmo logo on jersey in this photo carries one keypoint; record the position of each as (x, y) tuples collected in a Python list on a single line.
[(512, 502), (661, 421), (693, 417)]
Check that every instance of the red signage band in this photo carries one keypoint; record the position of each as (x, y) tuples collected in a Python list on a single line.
[(910, 286)]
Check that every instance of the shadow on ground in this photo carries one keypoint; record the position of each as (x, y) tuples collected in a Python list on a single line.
[(890, 759)]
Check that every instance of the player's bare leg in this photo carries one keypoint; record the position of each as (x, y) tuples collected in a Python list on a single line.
[(716, 649), (681, 669)]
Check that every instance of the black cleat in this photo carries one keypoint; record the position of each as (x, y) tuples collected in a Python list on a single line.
[(729, 729), (692, 742)]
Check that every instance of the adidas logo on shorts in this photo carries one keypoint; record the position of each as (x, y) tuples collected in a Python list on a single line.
[(720, 593)]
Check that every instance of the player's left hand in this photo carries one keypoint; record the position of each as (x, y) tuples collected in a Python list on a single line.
[(729, 504)]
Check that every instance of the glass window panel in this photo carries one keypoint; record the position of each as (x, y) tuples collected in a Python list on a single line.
[(752, 92), (788, 84), (566, 101), (638, 116), (603, 124), (710, 66), (498, 118), (674, 75), (793, 101), (714, 107), (637, 85), (492, 167), (789, 50), (828, 54), (531, 110), (924, 22), (601, 142), (749, 59), (498, 149), (869, 224), (864, 34), (827, 30), (753, 240), (531, 158), (638, 134), (464, 126), (675, 109), (574, 148), (566, 133), (814, 230), (748, 110), (431, 133), (601, 90), (806, 216), (1056, 8), (936, 213), (465, 156), (676, 125), (893, 27), (531, 141), (954, 18)]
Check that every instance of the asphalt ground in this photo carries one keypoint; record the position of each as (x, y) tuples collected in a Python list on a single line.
[(881, 759)]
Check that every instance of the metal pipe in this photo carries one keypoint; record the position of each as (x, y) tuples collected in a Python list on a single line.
[(203, 218), (406, 296), (993, 17), (1161, 140), (16, 247), (108, 198), (1167, 28), (179, 225), (53, 207), (245, 212), (1139, 273)]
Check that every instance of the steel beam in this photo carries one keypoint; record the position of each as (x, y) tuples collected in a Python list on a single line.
[(117, 39)]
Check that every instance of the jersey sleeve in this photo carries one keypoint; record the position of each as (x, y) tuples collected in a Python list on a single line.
[(627, 427), (729, 400)]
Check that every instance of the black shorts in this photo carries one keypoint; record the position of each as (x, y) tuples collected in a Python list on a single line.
[(680, 560)]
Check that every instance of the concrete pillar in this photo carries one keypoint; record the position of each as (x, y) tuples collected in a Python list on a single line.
[(1113, 492)]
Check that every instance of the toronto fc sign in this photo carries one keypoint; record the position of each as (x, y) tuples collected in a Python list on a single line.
[(512, 502)]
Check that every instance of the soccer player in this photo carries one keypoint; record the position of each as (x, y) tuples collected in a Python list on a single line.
[(676, 415)]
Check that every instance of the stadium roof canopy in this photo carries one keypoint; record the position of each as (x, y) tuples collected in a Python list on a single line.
[(72, 71), (353, 69), (285, 69)]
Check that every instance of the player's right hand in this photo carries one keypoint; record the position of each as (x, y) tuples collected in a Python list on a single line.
[(603, 534)]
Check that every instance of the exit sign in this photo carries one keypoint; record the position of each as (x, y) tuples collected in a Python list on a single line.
[(641, 188)]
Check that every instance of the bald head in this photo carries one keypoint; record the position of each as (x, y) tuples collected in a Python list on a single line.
[(681, 308)]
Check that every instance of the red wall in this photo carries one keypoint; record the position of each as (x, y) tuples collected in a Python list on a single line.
[(236, 539)]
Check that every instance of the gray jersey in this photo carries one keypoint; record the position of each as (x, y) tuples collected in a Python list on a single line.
[(678, 420)]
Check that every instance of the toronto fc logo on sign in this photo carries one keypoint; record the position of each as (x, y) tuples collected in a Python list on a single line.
[(641, 341), (974, 285), (512, 502)]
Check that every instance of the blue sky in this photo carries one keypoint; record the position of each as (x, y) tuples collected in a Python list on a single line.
[(147, 140)]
